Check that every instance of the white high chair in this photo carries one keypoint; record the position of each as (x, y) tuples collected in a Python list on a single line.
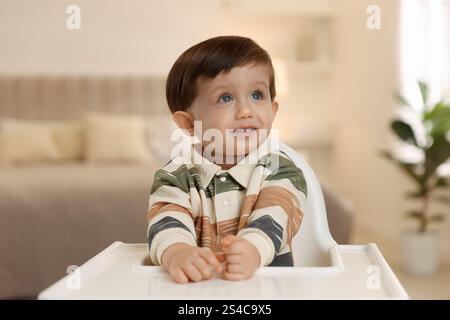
[(312, 244), (323, 269)]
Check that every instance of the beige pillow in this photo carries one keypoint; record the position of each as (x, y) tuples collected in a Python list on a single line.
[(27, 143), (115, 138), (68, 138), (67, 135)]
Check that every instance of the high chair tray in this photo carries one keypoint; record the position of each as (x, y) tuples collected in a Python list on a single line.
[(119, 272)]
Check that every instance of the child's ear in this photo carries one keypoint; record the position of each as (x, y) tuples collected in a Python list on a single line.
[(274, 109), (184, 120)]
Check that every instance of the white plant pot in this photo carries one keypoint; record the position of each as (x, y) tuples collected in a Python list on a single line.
[(420, 252)]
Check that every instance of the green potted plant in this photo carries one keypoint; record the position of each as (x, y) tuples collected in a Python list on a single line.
[(422, 148)]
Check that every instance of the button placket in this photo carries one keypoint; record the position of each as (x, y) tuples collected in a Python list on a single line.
[(221, 179)]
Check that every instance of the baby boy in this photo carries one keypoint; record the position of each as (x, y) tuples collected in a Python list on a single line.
[(234, 205)]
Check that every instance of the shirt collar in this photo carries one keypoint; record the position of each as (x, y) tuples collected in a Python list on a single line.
[(241, 172), (206, 168)]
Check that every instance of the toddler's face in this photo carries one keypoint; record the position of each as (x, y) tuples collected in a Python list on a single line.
[(239, 106)]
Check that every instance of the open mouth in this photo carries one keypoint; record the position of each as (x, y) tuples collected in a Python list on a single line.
[(242, 132)]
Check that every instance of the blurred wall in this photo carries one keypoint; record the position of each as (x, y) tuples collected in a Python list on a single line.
[(116, 36), (365, 78)]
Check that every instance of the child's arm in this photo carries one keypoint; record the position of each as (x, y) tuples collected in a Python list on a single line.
[(171, 231), (275, 220)]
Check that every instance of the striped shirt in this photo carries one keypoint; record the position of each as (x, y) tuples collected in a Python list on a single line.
[(198, 204)]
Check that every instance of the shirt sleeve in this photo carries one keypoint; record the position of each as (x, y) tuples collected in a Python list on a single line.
[(278, 211), (170, 218)]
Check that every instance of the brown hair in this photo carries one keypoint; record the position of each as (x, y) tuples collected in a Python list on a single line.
[(208, 59)]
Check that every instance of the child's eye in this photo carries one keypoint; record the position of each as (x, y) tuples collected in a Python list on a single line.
[(257, 95), (225, 98)]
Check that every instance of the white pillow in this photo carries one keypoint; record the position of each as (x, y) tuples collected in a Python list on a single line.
[(112, 137), (26, 144)]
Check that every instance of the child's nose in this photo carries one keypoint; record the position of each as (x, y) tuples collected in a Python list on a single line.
[(244, 110)]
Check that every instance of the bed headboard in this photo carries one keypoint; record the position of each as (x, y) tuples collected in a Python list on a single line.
[(55, 97)]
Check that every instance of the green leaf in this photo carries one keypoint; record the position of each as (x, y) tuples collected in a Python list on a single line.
[(411, 172), (401, 100), (404, 131), (441, 125), (441, 183), (438, 110), (438, 119), (437, 217), (436, 155), (423, 92)]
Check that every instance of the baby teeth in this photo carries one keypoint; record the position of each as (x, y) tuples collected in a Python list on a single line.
[(240, 131), (244, 130)]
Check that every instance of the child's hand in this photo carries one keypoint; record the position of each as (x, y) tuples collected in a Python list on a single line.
[(241, 256), (185, 262)]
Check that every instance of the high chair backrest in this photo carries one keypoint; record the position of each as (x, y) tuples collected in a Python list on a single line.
[(312, 242)]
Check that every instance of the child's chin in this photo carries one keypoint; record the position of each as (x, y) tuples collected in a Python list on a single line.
[(241, 148), (242, 152)]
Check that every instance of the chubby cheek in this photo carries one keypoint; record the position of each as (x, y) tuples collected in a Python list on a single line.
[(216, 125)]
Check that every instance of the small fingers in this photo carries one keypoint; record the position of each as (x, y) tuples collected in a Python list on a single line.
[(203, 267), (233, 276), (178, 275), (210, 258), (233, 258), (234, 248), (193, 274), (234, 268)]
